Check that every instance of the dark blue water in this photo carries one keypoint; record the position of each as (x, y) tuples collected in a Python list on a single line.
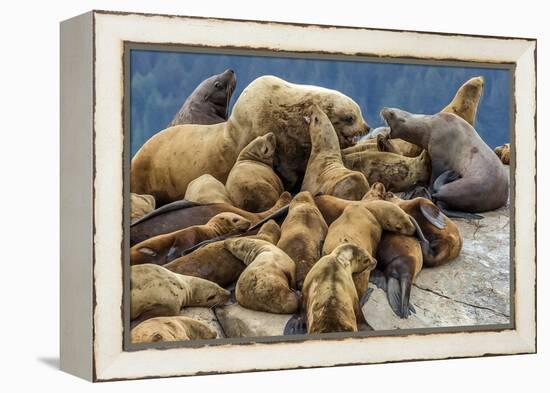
[(161, 81)]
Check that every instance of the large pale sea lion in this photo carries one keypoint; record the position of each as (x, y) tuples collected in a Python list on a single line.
[(302, 234), (209, 102), (362, 223), (165, 329), (167, 162), (140, 205), (207, 189), (252, 184), (329, 295), (466, 100), (503, 152), (398, 173), (183, 214), (268, 282), (162, 249), (325, 171), (156, 291), (215, 263), (466, 175)]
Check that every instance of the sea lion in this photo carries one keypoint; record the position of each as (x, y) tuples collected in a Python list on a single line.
[(398, 173), (302, 234), (162, 249), (466, 100), (252, 184), (325, 172), (140, 205), (331, 207), (207, 189), (156, 292), (503, 152), (268, 282), (399, 262), (466, 174), (398, 146), (329, 295), (163, 329), (215, 263), (361, 223), (167, 162), (183, 214), (209, 102)]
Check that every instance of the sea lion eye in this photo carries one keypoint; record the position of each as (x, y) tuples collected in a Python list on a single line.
[(349, 119), (217, 85), (211, 297)]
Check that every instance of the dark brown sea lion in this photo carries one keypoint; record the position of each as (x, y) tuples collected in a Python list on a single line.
[(167, 162), (329, 296), (466, 100), (209, 102), (215, 263), (268, 282), (325, 171), (165, 329), (183, 214), (362, 223), (466, 176), (156, 291), (252, 184), (302, 234), (164, 248), (397, 172), (503, 152)]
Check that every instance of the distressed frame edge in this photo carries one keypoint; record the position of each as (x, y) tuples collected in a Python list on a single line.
[(528, 339)]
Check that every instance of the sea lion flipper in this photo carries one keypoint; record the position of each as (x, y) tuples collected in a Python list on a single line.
[(398, 296), (378, 279), (295, 325), (458, 214), (279, 213), (433, 214), (418, 191), (446, 177), (424, 243), (177, 205), (366, 296)]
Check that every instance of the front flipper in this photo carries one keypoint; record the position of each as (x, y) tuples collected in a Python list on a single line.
[(418, 191), (446, 177), (424, 243), (399, 292), (457, 214), (433, 214), (295, 325), (177, 205)]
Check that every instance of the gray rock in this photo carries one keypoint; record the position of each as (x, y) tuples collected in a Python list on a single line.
[(205, 315), (238, 321)]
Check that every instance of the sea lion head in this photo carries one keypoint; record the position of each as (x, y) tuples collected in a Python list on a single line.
[(376, 191), (206, 293), (261, 149), (228, 222), (270, 231), (217, 90), (410, 127), (473, 88), (303, 197), (391, 217), (356, 257)]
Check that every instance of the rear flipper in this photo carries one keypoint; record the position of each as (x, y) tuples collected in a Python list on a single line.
[(378, 279), (457, 214), (444, 178), (295, 325), (399, 292)]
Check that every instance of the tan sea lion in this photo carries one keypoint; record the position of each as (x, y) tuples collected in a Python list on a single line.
[(362, 223), (466, 100), (167, 162), (329, 295), (183, 214), (207, 189), (325, 171), (164, 329), (503, 152), (209, 102), (466, 174), (162, 249), (252, 184), (268, 282), (140, 205), (398, 146), (398, 173), (302, 234), (156, 291), (215, 263)]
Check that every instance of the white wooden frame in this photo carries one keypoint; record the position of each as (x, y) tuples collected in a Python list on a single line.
[(92, 169)]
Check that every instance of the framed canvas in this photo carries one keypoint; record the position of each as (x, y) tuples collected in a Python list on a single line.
[(170, 126)]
